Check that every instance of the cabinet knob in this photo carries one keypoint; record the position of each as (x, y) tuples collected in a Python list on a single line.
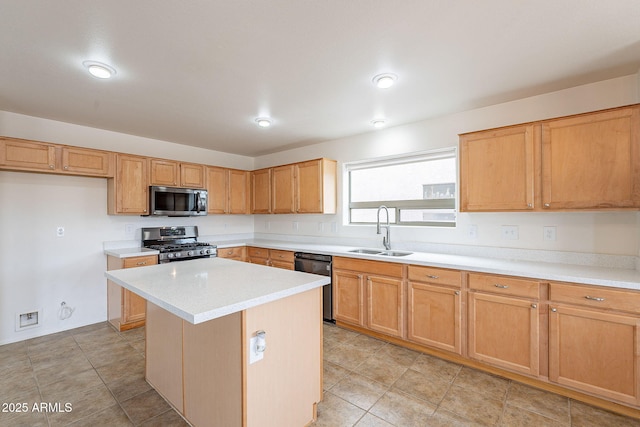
[(457, 292), (497, 285), (534, 305), (547, 205), (66, 168), (51, 166), (554, 309), (529, 205)]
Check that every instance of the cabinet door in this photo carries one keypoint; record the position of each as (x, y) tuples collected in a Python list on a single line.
[(348, 296), (283, 189), (504, 332), (435, 317), (217, 188), (128, 191), (239, 191), (134, 306), (596, 352), (27, 155), (261, 191), (238, 253), (192, 175), (592, 161), (385, 305), (164, 173), (83, 161), (497, 169), (316, 186)]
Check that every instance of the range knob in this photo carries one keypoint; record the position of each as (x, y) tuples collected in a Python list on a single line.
[(169, 255), (190, 253), (178, 254), (202, 252), (209, 251)]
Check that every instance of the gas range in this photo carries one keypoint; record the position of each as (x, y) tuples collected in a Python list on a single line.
[(177, 243)]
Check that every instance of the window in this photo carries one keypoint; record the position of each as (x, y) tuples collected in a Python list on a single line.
[(419, 189)]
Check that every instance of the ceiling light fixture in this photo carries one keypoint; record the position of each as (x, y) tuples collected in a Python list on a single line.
[(378, 123), (99, 70), (263, 122), (384, 81)]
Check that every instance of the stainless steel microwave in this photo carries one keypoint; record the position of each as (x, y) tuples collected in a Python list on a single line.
[(173, 201)]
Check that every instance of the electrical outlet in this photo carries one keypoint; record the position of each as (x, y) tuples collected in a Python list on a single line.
[(296, 226), (60, 231), (509, 232), (129, 229), (472, 231), (549, 233)]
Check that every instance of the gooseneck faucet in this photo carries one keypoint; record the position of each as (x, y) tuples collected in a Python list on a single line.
[(386, 241)]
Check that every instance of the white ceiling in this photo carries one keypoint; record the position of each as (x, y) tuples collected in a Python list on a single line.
[(199, 72)]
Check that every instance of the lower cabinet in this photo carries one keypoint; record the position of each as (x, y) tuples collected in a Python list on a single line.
[(504, 325), (434, 308), (591, 347), (126, 310), (370, 294), (239, 253), (272, 257)]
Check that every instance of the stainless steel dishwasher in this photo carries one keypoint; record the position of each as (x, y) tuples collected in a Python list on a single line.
[(318, 264)]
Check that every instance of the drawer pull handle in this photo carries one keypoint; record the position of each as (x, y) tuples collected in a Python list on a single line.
[(594, 298), (431, 276), (141, 263), (497, 285)]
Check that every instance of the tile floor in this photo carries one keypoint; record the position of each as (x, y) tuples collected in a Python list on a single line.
[(367, 383)]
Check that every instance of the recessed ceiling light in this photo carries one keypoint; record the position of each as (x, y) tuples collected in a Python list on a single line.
[(263, 122), (384, 81), (99, 70), (378, 123)]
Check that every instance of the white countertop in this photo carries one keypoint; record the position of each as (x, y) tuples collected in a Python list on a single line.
[(207, 288), (602, 276), (130, 252)]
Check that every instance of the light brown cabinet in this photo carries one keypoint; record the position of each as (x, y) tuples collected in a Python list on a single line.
[(33, 156), (283, 186), (228, 190), (589, 161), (239, 253), (503, 322), (434, 308), (125, 309), (593, 340), (169, 173), (272, 257), (261, 191), (128, 190), (370, 294)]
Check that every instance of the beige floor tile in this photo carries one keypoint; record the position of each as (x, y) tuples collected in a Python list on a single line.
[(488, 385), (23, 419), (145, 406), (443, 418), (369, 344), (60, 356), (382, 370), (514, 416), (422, 386), (115, 351), (473, 405), (16, 348), (583, 415), (167, 419), (98, 338), (402, 410), (113, 416), (542, 402), (12, 362), (347, 356), (435, 367), (334, 333), (398, 355), (359, 390), (132, 364), (46, 341), (129, 386), (53, 347), (334, 411), (61, 371), (17, 382), (372, 421), (70, 386), (135, 334), (332, 374), (82, 404)]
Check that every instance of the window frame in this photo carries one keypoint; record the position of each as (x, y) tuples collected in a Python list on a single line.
[(398, 205)]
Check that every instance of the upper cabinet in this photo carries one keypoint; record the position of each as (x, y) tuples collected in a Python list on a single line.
[(228, 190), (590, 161), (175, 174), (33, 156), (128, 191), (306, 187)]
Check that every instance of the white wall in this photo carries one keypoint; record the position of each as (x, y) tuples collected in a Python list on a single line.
[(614, 233), (39, 270)]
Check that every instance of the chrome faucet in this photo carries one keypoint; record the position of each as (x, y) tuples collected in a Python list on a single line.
[(386, 241)]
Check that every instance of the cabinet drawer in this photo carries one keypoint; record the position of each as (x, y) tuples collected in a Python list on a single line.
[(504, 285), (281, 256), (435, 275), (595, 296), (258, 252), (237, 252), (373, 267), (140, 261)]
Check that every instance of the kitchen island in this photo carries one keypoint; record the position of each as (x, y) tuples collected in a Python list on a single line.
[(202, 320)]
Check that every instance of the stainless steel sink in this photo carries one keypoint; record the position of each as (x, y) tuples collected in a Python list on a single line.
[(395, 253), (366, 251)]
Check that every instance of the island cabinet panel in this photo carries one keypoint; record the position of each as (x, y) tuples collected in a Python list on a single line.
[(128, 191), (126, 310), (163, 355), (594, 340), (284, 387), (261, 191), (497, 170), (212, 371), (434, 308), (592, 160), (504, 330)]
